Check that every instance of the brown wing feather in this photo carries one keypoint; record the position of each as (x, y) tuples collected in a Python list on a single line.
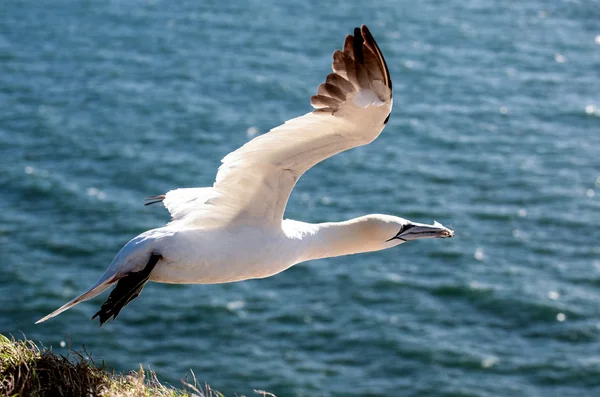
[(321, 101), (356, 67), (340, 82), (349, 46), (330, 90), (372, 44)]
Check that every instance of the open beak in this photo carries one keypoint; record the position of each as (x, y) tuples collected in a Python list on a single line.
[(421, 230)]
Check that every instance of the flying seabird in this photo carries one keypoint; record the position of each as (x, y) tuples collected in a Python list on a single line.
[(235, 229)]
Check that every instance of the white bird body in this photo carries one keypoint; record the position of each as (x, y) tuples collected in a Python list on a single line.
[(241, 252), (201, 256), (235, 230)]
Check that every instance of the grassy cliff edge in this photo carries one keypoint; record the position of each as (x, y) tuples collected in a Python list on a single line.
[(27, 370)]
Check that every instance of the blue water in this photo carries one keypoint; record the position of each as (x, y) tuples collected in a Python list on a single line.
[(495, 131)]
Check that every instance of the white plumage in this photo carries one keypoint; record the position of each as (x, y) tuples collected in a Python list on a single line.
[(235, 230)]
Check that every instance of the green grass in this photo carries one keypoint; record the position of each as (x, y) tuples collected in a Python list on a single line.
[(27, 370)]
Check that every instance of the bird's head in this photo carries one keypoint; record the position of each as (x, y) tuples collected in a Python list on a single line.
[(367, 234), (392, 230), (408, 230)]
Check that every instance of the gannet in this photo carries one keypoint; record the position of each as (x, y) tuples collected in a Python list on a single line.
[(235, 229)]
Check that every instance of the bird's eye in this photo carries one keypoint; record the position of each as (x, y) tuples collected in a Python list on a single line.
[(404, 228)]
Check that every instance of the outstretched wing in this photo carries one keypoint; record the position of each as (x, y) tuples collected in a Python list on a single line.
[(254, 182)]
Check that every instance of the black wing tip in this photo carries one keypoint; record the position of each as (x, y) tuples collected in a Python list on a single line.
[(128, 288), (104, 316), (155, 199), (358, 47), (358, 65), (370, 41)]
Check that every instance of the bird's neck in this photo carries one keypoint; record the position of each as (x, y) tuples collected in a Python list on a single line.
[(323, 240)]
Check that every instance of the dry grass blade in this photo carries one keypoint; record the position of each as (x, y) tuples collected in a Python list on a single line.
[(27, 370), (264, 393)]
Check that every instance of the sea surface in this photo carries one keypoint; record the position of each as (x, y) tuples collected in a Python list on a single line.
[(495, 131)]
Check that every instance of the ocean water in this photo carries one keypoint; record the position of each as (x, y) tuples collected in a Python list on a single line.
[(495, 131)]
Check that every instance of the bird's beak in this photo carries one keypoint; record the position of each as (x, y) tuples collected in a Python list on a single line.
[(421, 230)]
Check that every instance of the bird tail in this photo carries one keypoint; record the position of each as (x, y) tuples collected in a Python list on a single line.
[(99, 287), (128, 265)]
